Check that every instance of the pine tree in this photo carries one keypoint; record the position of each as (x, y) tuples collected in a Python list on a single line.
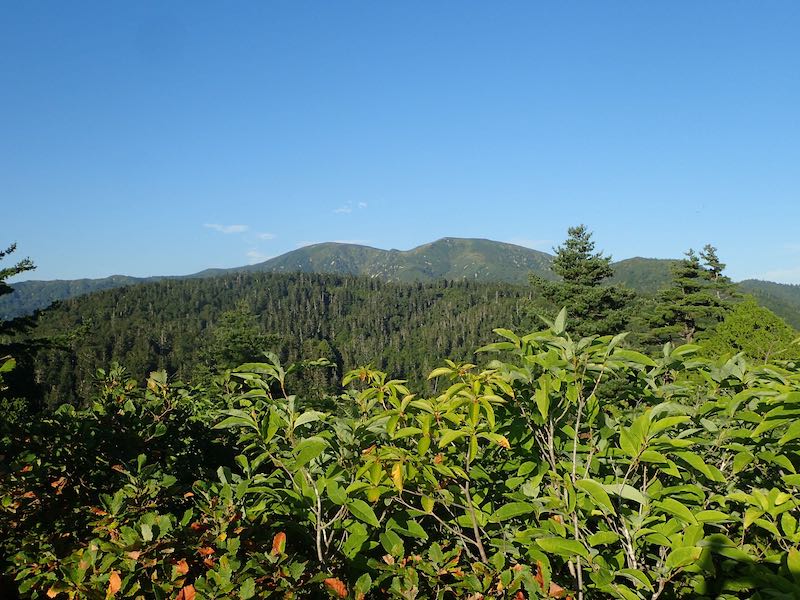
[(7, 361), (697, 300), (593, 308)]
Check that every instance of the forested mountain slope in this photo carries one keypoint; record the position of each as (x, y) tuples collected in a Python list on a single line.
[(782, 299), (448, 258), (181, 325)]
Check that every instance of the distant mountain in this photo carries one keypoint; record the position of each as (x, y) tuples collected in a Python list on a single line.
[(29, 296), (645, 275), (447, 258)]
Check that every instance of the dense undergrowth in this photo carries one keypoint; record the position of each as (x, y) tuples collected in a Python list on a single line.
[(562, 468)]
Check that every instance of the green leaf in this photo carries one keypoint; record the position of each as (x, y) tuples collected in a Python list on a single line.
[(511, 510), (634, 357), (699, 464), (674, 507), (681, 557), (147, 533), (363, 511), (308, 417), (712, 516), (597, 493), (508, 334), (542, 399), (363, 585), (449, 436), (625, 491), (563, 547), (439, 371), (666, 423), (603, 538), (793, 563), (237, 418), (248, 589), (792, 433), (308, 449), (559, 325), (638, 578), (335, 492)]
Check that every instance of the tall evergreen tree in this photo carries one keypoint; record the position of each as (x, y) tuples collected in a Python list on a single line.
[(8, 350), (697, 300), (7, 327), (594, 308)]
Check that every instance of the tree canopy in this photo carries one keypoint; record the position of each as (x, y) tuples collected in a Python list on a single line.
[(593, 307)]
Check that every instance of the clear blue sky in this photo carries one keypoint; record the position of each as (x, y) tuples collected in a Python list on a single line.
[(164, 138)]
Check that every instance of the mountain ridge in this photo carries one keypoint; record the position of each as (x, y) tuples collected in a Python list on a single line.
[(453, 258)]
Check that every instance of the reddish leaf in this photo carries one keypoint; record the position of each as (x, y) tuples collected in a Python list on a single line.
[(556, 591), (27, 469), (114, 584), (279, 543), (539, 577), (186, 593), (336, 586), (182, 566), (205, 551)]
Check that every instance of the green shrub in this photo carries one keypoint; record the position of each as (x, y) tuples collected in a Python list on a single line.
[(527, 478)]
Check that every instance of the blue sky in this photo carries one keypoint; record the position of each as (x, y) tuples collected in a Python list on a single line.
[(164, 138)]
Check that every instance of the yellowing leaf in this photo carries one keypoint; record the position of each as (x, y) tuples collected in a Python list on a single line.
[(397, 475)]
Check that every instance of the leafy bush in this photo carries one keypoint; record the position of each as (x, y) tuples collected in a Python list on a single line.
[(564, 468)]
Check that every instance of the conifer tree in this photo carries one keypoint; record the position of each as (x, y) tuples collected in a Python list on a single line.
[(7, 361), (594, 308), (697, 300)]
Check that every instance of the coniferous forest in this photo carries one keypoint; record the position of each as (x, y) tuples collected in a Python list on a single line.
[(312, 435)]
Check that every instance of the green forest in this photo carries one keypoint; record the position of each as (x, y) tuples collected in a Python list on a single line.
[(307, 434)]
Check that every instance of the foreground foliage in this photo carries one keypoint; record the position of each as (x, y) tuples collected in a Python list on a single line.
[(564, 468)]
